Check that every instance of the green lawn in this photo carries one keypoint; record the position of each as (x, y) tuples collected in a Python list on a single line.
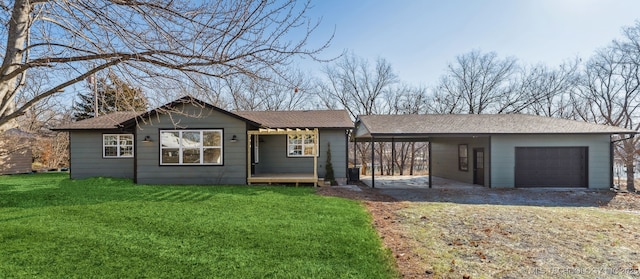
[(53, 227)]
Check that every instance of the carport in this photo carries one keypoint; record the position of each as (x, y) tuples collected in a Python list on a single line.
[(502, 150)]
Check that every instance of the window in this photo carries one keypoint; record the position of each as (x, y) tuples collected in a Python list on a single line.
[(301, 145), (191, 147), (117, 145), (463, 157)]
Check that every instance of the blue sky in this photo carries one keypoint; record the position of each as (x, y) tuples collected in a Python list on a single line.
[(419, 38)]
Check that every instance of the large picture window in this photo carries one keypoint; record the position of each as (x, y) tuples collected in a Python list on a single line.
[(191, 147), (301, 145), (117, 145)]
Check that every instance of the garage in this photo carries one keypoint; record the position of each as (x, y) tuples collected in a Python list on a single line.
[(501, 150), (551, 167)]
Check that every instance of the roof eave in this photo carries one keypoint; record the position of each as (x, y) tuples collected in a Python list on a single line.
[(88, 129), (307, 127), (185, 100), (417, 135)]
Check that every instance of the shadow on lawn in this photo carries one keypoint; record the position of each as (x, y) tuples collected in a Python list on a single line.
[(43, 190)]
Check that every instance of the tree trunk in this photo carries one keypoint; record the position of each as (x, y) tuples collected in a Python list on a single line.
[(381, 159), (413, 158), (362, 150), (630, 177), (403, 157), (629, 149), (16, 39)]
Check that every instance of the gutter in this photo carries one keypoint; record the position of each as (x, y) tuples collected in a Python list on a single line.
[(618, 140)]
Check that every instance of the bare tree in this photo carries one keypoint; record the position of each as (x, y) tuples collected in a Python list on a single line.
[(444, 102), (610, 93), (353, 84), (476, 83), (240, 95), (541, 90), (406, 99), (49, 149), (210, 90), (288, 91), (38, 118), (69, 41)]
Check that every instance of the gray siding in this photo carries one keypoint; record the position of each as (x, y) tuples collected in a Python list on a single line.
[(444, 157), (17, 161), (503, 156), (337, 138), (273, 155), (233, 170), (86, 157)]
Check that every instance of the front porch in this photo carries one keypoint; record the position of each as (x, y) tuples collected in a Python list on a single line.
[(283, 155), (293, 178)]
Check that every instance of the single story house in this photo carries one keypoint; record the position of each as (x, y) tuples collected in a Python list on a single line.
[(189, 141), (505, 150)]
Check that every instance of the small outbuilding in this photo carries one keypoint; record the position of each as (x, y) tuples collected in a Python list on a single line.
[(505, 150), (15, 152)]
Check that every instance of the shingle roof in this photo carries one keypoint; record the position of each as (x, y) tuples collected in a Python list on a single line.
[(112, 120), (434, 124), (300, 118), (270, 119), (181, 101)]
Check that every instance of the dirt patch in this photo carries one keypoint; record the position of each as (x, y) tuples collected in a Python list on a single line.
[(506, 234), (625, 202), (383, 209)]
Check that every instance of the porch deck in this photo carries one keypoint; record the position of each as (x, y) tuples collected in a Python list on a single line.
[(270, 178)]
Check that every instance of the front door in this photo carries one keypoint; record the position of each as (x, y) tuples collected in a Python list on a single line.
[(478, 166)]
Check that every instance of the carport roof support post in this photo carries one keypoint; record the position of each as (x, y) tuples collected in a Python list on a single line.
[(429, 151), (373, 169)]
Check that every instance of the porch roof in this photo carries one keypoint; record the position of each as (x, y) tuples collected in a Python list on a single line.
[(300, 118), (429, 125), (283, 131)]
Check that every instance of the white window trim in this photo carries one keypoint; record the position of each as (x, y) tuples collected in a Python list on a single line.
[(315, 146), (118, 146), (201, 148)]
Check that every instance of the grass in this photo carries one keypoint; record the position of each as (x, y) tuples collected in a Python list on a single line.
[(496, 241), (53, 227)]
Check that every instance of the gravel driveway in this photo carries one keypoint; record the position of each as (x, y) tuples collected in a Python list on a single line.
[(415, 189), (550, 231)]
